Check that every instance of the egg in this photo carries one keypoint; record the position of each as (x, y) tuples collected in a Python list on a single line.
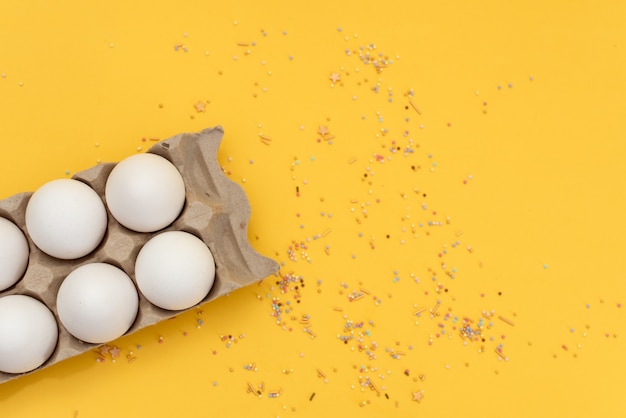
[(13, 254), (28, 333), (175, 270), (145, 192), (97, 302), (66, 219)]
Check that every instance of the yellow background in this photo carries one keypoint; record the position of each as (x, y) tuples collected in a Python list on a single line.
[(519, 150)]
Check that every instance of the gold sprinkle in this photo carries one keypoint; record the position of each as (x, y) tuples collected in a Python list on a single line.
[(320, 373), (506, 320), (323, 131), (338, 309), (200, 106), (367, 292), (374, 387), (353, 160), (334, 77), (243, 44), (418, 396), (419, 311), (251, 388), (414, 106), (434, 309), (326, 232), (115, 352)]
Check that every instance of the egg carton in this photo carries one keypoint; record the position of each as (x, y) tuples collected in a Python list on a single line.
[(216, 210)]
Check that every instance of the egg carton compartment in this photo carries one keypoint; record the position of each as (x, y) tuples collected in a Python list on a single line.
[(216, 210)]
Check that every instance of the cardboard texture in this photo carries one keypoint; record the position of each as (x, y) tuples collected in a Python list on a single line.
[(216, 210)]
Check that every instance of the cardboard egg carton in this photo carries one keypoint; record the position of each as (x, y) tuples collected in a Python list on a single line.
[(216, 210)]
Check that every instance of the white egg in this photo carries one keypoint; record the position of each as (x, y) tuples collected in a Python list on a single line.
[(28, 334), (66, 219), (175, 270), (13, 254), (97, 303), (145, 192)]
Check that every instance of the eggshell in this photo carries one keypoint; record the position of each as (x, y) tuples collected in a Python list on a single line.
[(175, 270), (66, 219), (145, 192), (13, 254), (28, 333), (97, 303)]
